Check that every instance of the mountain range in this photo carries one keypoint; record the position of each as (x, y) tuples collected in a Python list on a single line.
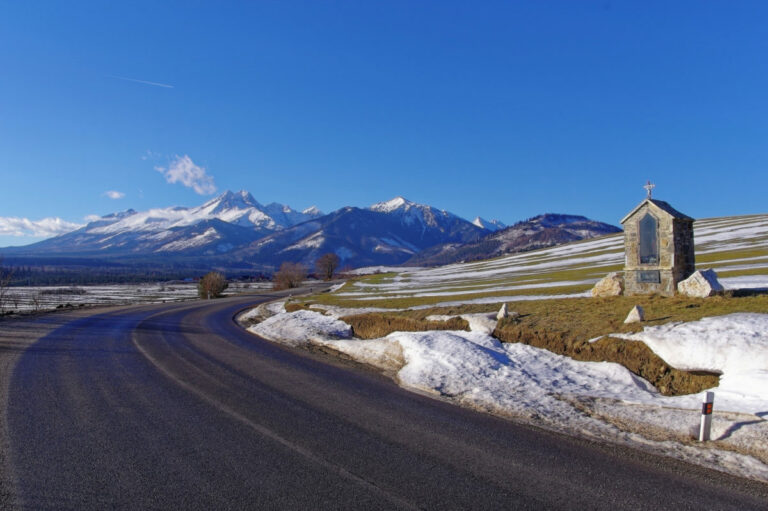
[(234, 231), (221, 225), (538, 232)]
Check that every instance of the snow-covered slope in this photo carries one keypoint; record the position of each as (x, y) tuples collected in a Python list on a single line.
[(222, 224), (411, 213), (234, 208), (386, 233), (491, 225)]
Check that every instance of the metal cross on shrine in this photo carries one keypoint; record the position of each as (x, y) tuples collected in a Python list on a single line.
[(649, 188)]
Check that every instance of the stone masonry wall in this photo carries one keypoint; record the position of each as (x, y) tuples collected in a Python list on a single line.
[(676, 256)]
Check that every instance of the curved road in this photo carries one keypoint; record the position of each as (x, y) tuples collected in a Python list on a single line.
[(176, 407)]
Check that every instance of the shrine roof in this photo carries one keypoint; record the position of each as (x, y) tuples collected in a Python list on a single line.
[(664, 206)]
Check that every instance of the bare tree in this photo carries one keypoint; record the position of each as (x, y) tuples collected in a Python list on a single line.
[(6, 275), (212, 285), (326, 265), (36, 300), (289, 275)]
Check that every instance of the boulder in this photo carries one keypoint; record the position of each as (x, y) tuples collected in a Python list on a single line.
[(610, 285), (636, 315), (701, 284), (502, 312)]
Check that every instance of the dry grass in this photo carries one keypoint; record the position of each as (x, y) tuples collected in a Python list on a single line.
[(565, 327), (373, 326), (295, 306)]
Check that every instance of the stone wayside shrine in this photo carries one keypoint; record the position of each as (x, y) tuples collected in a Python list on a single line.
[(658, 247), (658, 255)]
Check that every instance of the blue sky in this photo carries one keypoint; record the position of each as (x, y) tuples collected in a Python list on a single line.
[(498, 109)]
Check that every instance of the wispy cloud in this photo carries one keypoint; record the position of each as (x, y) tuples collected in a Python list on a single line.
[(45, 228), (91, 218), (145, 82), (114, 195), (183, 170)]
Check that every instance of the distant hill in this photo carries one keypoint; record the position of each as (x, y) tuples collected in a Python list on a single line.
[(538, 232)]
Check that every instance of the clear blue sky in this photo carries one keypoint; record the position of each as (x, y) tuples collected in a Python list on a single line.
[(498, 109)]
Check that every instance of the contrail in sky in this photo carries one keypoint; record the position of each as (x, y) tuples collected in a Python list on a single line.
[(145, 82)]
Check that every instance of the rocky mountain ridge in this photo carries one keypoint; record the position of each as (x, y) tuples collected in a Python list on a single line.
[(537, 232)]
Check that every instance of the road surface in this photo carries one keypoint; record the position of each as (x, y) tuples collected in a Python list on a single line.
[(175, 407)]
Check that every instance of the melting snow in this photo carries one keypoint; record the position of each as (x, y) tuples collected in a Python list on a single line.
[(476, 370)]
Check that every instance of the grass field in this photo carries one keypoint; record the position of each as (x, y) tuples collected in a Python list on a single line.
[(733, 246)]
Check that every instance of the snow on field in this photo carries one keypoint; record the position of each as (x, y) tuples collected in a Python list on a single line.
[(371, 270), (471, 290), (597, 399), (574, 264), (745, 282), (41, 298), (501, 299)]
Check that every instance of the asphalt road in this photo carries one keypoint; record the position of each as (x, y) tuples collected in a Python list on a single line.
[(176, 407)]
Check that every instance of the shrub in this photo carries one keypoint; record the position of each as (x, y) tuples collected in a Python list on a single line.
[(212, 285), (289, 275)]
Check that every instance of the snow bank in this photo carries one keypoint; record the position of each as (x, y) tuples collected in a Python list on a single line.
[(302, 327), (735, 345), (262, 312)]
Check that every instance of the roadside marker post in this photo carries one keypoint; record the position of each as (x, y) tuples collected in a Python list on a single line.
[(706, 417)]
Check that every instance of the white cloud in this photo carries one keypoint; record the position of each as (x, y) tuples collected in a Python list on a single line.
[(47, 227), (112, 194), (91, 218), (183, 170)]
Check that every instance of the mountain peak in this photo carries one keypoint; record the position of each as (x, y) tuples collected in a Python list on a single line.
[(392, 204), (232, 200), (492, 225), (312, 211)]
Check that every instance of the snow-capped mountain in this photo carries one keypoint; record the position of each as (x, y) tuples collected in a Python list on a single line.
[(411, 213), (491, 225), (234, 230), (234, 208), (538, 232), (386, 233), (222, 224)]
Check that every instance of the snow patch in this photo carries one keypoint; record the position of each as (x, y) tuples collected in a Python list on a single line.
[(302, 327), (390, 205)]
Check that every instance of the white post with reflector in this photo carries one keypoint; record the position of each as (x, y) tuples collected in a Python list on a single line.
[(706, 417)]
